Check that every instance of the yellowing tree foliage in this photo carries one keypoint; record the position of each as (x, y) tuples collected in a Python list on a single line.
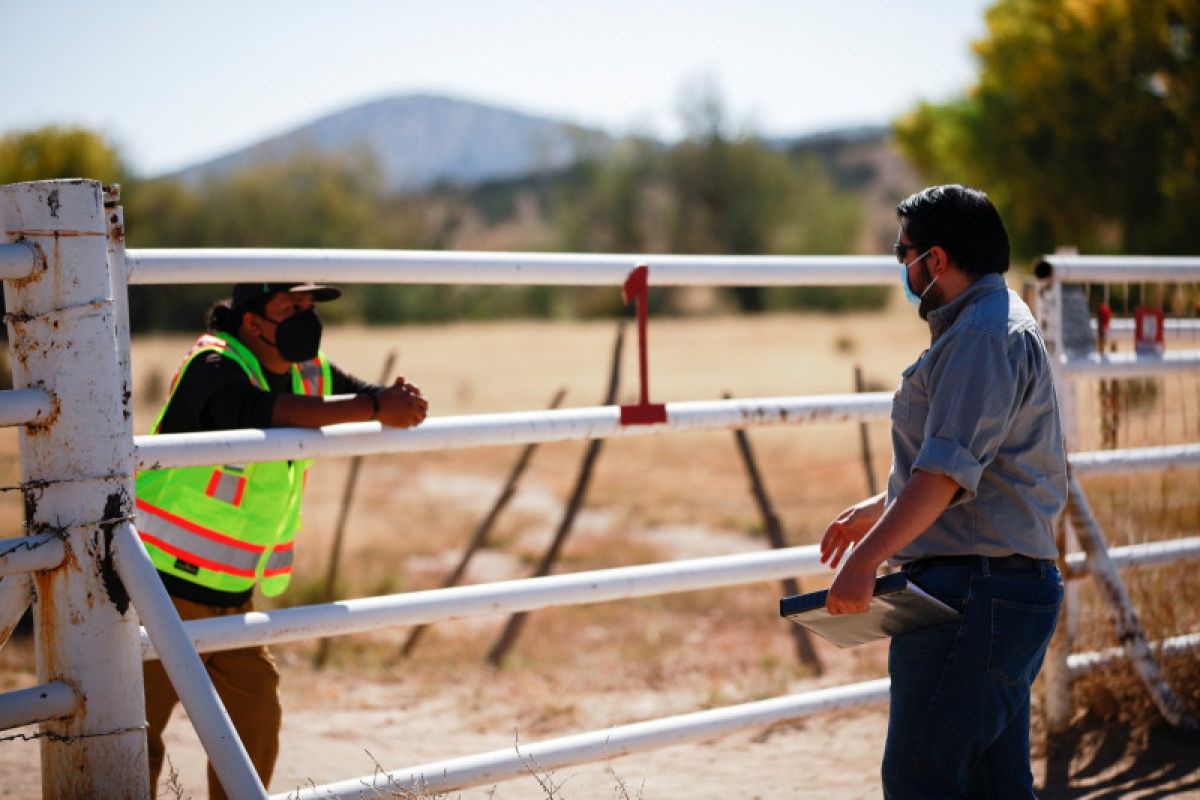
[(1084, 125), (58, 152)]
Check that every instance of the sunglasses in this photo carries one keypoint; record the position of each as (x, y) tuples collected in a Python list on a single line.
[(902, 249)]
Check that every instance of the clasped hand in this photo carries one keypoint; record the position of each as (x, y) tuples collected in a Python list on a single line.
[(402, 405)]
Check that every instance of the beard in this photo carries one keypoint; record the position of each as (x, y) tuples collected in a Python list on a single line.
[(934, 299)]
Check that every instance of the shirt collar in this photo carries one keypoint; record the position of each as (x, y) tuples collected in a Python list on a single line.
[(940, 319)]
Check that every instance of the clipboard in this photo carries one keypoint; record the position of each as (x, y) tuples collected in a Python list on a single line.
[(898, 606)]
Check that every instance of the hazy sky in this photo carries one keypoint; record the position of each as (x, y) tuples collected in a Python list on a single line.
[(175, 82)]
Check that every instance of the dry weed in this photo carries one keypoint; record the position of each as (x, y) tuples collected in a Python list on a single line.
[(172, 786)]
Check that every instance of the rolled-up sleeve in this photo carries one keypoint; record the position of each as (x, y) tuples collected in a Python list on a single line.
[(974, 389)]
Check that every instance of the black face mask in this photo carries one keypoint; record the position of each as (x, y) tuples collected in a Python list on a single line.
[(298, 337)]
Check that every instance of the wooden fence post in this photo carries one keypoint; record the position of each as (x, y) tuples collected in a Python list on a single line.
[(479, 538), (774, 531), (512, 628)]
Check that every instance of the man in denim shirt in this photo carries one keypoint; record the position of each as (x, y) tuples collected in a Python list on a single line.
[(978, 477)]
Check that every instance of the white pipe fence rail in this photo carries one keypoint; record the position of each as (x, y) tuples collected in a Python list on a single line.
[(477, 430), (347, 617), (506, 597), (1124, 328), (24, 407), (17, 261), (493, 269), (1163, 458), (31, 553), (526, 427), (1131, 556), (1081, 664), (541, 757), (84, 455), (1118, 269), (54, 700), (1132, 365)]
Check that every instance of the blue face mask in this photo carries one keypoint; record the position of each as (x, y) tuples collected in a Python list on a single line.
[(914, 298)]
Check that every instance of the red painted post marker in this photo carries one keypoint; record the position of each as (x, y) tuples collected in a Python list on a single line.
[(1148, 331), (636, 289)]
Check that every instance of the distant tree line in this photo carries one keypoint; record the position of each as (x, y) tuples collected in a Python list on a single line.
[(715, 192)]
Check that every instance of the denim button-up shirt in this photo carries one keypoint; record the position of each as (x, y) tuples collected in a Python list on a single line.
[(979, 407)]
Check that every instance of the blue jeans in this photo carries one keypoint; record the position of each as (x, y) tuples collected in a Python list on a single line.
[(959, 719)]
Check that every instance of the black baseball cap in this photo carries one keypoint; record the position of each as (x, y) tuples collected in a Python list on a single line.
[(246, 294)]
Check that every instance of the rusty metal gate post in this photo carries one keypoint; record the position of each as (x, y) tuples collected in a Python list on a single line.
[(77, 476)]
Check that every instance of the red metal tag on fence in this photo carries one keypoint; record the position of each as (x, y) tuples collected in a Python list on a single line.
[(636, 289), (1148, 330)]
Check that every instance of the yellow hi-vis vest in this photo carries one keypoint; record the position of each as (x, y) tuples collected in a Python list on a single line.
[(228, 526)]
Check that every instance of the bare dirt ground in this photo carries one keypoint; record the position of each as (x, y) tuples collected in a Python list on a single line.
[(591, 667)]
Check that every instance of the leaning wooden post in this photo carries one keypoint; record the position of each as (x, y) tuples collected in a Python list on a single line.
[(774, 530), (480, 537), (864, 438), (1129, 630), (77, 469), (16, 593), (335, 549), (512, 628)]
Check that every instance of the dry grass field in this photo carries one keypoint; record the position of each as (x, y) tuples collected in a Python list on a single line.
[(652, 498)]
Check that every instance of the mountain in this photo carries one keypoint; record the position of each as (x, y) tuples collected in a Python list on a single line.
[(422, 140)]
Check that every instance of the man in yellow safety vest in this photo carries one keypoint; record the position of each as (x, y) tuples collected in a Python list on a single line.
[(214, 532)]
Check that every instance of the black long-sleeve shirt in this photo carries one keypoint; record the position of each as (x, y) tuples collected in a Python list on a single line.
[(215, 394)]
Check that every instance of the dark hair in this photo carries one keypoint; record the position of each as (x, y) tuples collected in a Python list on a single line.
[(962, 221), (223, 317)]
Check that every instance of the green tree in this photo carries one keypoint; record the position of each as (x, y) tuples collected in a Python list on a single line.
[(1083, 125), (731, 192), (59, 152), (735, 195), (607, 208), (307, 201), (717, 191)]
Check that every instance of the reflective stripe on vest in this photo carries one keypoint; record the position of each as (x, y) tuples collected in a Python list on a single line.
[(196, 544), (312, 377), (280, 560), (227, 484)]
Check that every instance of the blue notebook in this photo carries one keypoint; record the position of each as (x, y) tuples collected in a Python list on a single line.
[(898, 606)]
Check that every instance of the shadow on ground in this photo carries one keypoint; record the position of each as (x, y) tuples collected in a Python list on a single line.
[(1119, 761)]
